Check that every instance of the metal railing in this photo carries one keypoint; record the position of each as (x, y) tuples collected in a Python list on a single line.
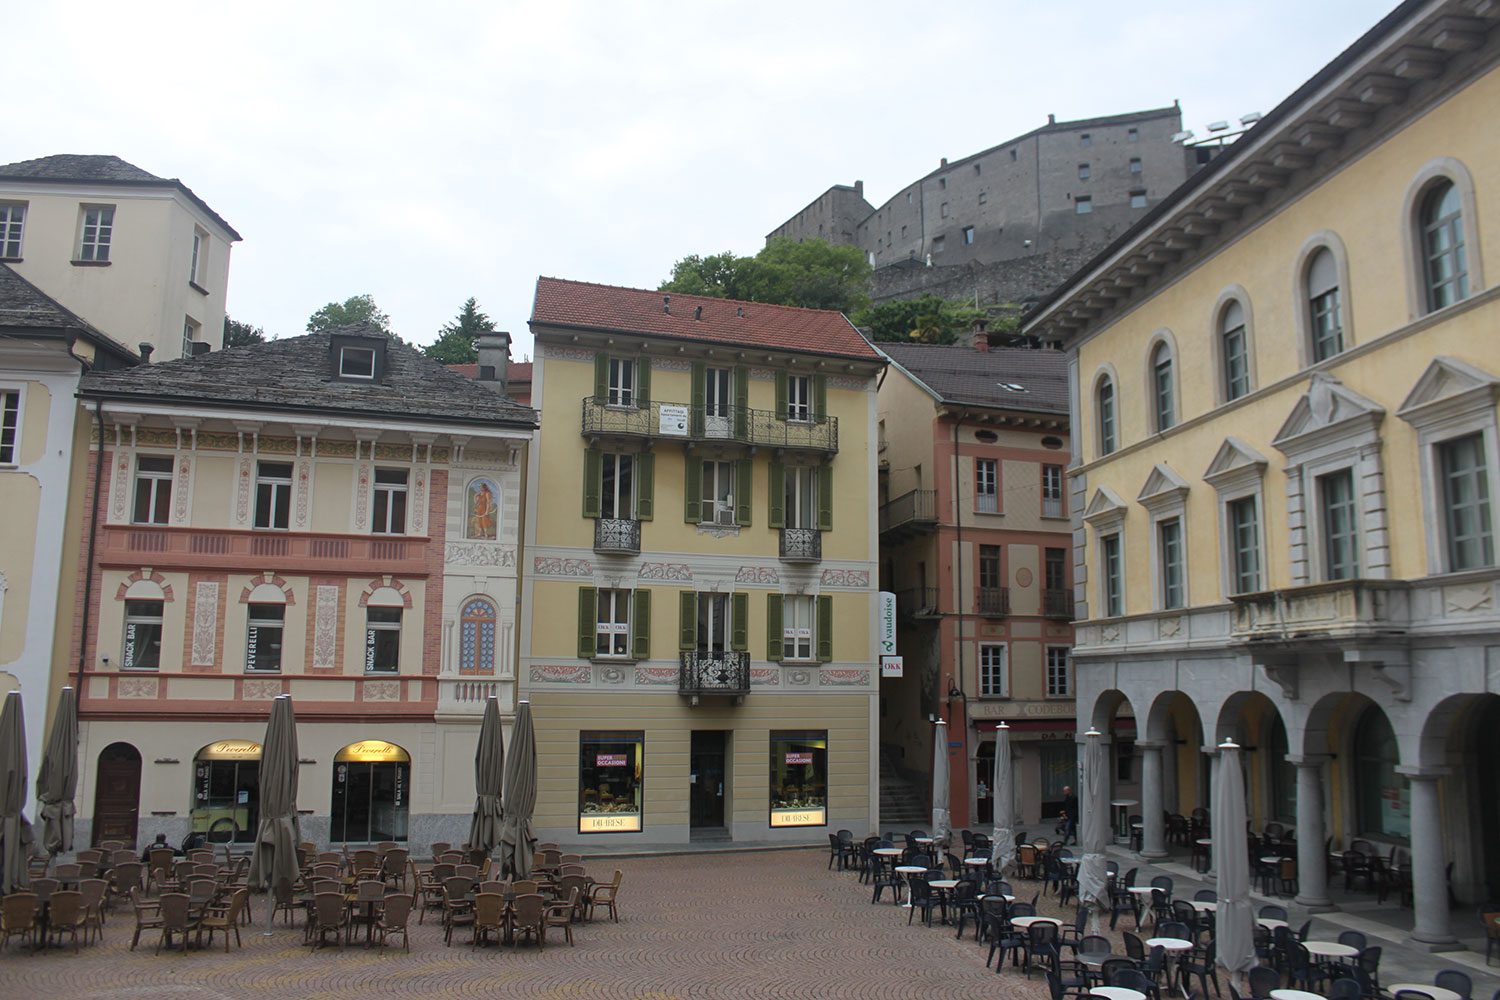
[(915, 508), (992, 600), (1057, 603), (764, 428), (916, 602), (710, 672), (617, 534), (801, 544)]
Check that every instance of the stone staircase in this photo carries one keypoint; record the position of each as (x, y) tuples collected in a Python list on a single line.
[(903, 805)]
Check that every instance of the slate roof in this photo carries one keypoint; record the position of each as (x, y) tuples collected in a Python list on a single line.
[(583, 305), (294, 373), (959, 374), (25, 307), (90, 168)]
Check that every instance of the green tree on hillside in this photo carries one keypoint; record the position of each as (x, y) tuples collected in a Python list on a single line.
[(355, 309), (455, 342), (237, 334), (925, 320), (814, 274)]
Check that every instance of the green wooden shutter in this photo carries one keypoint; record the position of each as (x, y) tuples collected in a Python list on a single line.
[(741, 402), (825, 628), (739, 622), (643, 382), (687, 619), (825, 498), (601, 377), (781, 395), (593, 474), (645, 486), (744, 483), (697, 399), (640, 625), (776, 496), (820, 397), (692, 489), (773, 627), (587, 621)]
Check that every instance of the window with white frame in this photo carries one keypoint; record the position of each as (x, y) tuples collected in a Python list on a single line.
[(986, 485), (1338, 516), (612, 623), (1242, 522), (798, 397), (382, 640), (1465, 489), (153, 489), (1052, 491), (801, 496), (1104, 408), (1170, 563), (718, 492), (1083, 205), (994, 672), (273, 495), (1237, 474), (1324, 305), (1163, 393), (1111, 585), (12, 222), (1445, 264), (96, 230), (798, 613), (1059, 672), (142, 647), (190, 328), (1137, 199), (357, 362), (389, 508), (1235, 350), (199, 262), (10, 426), (263, 638), (621, 382), (617, 486)]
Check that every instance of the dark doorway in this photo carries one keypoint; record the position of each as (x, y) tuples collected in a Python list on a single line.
[(706, 777), (1486, 776), (117, 794)]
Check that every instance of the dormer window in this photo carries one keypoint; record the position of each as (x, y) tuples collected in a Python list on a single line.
[(357, 362)]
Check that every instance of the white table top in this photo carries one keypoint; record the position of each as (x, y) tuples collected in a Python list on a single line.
[(1271, 859), (1124, 802), (943, 883), (1204, 905), (1168, 944), (1270, 923), (923, 840), (1332, 949), (1028, 921), (1436, 992), (1206, 841), (887, 852), (910, 869), (1116, 993), (977, 862), (1000, 895), (1295, 995), (1144, 890)]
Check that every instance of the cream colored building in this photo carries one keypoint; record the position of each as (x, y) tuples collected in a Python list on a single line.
[(699, 588), (1285, 386)]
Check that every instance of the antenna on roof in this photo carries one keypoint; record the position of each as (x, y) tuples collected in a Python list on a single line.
[(666, 304)]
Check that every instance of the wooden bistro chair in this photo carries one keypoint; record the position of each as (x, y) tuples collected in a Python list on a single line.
[(175, 910), (18, 913), (147, 914), (607, 895), (528, 917), (329, 916), (93, 890), (489, 918), (560, 915), (67, 915), (395, 914), (224, 918)]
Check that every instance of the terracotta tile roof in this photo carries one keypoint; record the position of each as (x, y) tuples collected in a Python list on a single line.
[(609, 308), (979, 378)]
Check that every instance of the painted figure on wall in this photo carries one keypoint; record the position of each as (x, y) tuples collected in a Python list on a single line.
[(483, 510)]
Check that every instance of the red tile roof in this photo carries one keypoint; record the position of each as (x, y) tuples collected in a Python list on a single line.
[(584, 305)]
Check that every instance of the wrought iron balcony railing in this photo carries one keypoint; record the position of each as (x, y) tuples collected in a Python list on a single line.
[(714, 673), (1057, 603), (992, 601), (617, 534), (914, 510), (801, 545), (658, 420)]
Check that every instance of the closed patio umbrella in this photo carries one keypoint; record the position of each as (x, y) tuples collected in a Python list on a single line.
[(15, 831), (489, 770), (1234, 924), (274, 861), (517, 845), (942, 820), (1003, 850), (1093, 801), (57, 780)]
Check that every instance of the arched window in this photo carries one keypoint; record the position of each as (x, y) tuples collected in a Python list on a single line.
[(1382, 797), (476, 637), (1163, 396), (1445, 267), (1104, 406), (1325, 305), (1235, 350)]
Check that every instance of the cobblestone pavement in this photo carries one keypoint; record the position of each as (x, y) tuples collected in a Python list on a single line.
[(771, 924)]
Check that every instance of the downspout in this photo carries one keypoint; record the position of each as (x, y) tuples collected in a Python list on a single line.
[(958, 528), (88, 577)]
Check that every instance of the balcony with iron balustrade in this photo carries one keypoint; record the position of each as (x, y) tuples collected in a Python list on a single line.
[(706, 673), (758, 428), (172, 548), (1057, 602), (617, 535), (801, 545), (992, 602), (911, 513)]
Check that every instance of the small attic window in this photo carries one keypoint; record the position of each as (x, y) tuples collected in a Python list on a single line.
[(357, 362), (1011, 386)]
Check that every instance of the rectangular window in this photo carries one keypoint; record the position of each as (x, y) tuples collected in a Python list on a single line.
[(1055, 569), (1107, 418), (986, 485), (382, 640), (718, 492), (943, 210), (1162, 395), (153, 489), (96, 232), (938, 243), (389, 517), (1169, 551), (1135, 164), (968, 234), (621, 382), (797, 616), (989, 567), (994, 678), (903, 232), (12, 221), (1340, 531), (801, 496), (1466, 503), (1244, 545), (1236, 364), (942, 183), (10, 426), (1083, 205), (142, 636), (609, 781), (1132, 135), (1059, 673), (1085, 139), (1137, 199), (1124, 761), (714, 631), (357, 362), (718, 394), (617, 482), (1083, 171), (1109, 566), (263, 637), (273, 495), (1328, 326), (799, 778), (199, 260), (1052, 491), (189, 336), (983, 198), (799, 397), (612, 625)]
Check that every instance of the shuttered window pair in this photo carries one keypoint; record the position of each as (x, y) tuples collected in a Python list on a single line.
[(713, 623), (719, 399), (614, 623), (787, 616), (801, 397), (619, 485), (622, 381), (717, 492), (801, 496)]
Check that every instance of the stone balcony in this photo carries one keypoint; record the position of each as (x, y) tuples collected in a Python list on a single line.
[(464, 696), (177, 548), (1339, 610)]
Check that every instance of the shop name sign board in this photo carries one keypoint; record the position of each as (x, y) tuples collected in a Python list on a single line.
[(800, 757), (672, 420), (609, 760), (231, 750), (892, 666), (885, 625), (373, 750), (609, 823), (799, 817)]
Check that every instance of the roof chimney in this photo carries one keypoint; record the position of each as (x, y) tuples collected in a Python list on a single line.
[(979, 337), (494, 358), (943, 162), (698, 312), (666, 304), (1051, 119), (146, 347), (859, 188)]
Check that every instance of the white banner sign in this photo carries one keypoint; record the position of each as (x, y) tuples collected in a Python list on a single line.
[(885, 626), (891, 666), (673, 419)]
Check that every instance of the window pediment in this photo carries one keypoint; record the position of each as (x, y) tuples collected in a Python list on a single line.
[(1105, 509), (1328, 412), (1164, 490), (1448, 389), (1235, 464)]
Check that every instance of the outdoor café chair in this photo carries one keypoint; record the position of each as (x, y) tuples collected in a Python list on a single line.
[(18, 913), (489, 918), (1058, 991), (1071, 935), (1205, 970), (224, 918), (93, 890), (562, 913), (1263, 979), (965, 900), (176, 920), (68, 873), (329, 916), (67, 915), (1345, 989), (1133, 979), (922, 897), (147, 914), (1111, 969), (607, 895), (458, 908), (395, 914), (884, 876), (1458, 982), (565, 887), (528, 917)]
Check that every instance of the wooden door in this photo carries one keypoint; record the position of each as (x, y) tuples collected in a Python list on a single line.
[(117, 793)]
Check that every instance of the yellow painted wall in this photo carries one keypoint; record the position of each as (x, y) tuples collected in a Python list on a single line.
[(907, 411), (37, 400), (20, 497)]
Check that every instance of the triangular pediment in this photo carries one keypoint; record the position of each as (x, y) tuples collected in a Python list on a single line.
[(1448, 382), (1327, 404), (1233, 460), (1104, 507), (1163, 488)]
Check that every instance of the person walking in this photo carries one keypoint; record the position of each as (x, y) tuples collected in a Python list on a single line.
[(1069, 816)]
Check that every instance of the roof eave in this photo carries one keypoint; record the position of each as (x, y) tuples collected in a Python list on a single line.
[(86, 391), (877, 361)]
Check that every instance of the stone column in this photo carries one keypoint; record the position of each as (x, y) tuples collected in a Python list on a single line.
[(1153, 829), (1312, 855), (1429, 879)]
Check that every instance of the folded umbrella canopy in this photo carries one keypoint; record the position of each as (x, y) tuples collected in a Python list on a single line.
[(1093, 801), (489, 770), (942, 819), (1003, 849), (517, 845), (273, 865), (15, 831), (57, 780), (1234, 925)]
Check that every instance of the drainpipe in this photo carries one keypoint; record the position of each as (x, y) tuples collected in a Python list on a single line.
[(956, 689), (88, 576)]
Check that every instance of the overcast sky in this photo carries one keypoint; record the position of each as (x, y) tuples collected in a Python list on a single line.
[(426, 152)]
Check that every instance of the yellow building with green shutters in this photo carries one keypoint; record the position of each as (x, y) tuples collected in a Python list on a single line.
[(701, 551)]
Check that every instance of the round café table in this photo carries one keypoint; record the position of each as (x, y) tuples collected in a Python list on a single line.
[(1332, 949), (887, 852), (1116, 993), (1172, 946), (1123, 817), (1025, 922), (1270, 923), (1295, 995), (1204, 905), (1436, 992), (908, 871)]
